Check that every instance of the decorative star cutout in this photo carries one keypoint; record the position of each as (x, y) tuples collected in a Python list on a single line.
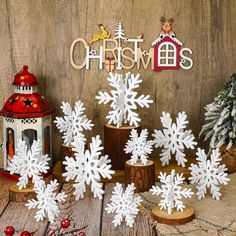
[(27, 102), (34, 105)]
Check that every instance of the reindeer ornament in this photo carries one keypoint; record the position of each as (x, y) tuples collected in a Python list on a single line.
[(103, 35), (167, 26)]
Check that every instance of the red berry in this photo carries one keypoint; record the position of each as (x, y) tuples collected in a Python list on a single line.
[(25, 233), (82, 234), (9, 231), (65, 223)]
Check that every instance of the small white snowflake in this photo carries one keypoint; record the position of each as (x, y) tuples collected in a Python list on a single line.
[(139, 146), (123, 99), (171, 191), (208, 173), (87, 168), (124, 204), (73, 123), (47, 200), (28, 163), (174, 138)]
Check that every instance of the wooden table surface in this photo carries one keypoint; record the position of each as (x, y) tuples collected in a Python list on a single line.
[(86, 211)]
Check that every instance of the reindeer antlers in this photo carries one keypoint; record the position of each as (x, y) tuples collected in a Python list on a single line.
[(163, 20)]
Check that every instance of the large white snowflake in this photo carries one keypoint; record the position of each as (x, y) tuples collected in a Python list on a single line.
[(87, 168), (124, 204), (73, 123), (171, 191), (139, 146), (28, 163), (174, 138), (47, 200), (123, 99), (208, 173)]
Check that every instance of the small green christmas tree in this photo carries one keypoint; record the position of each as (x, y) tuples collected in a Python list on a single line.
[(221, 115)]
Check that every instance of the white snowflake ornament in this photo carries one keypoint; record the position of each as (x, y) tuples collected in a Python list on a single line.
[(124, 204), (73, 123), (87, 168), (139, 146), (28, 163), (46, 200), (171, 191), (123, 99), (208, 174), (174, 138)]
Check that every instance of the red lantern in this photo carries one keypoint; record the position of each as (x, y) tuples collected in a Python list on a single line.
[(26, 115)]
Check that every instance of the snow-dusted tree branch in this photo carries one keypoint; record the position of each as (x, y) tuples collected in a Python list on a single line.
[(221, 117)]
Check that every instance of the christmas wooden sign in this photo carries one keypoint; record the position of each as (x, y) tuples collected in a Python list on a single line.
[(121, 52)]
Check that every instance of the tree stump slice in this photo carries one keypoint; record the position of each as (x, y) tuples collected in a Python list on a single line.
[(176, 218), (65, 151), (115, 140), (143, 176), (23, 195)]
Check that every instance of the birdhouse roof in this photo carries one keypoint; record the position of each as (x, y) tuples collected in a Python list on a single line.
[(163, 36), (24, 78), (26, 106)]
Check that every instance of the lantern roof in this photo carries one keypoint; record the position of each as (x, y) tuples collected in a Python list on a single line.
[(26, 106), (24, 78)]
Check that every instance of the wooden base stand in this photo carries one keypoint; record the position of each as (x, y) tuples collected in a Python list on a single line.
[(143, 176), (176, 218), (114, 143), (23, 195)]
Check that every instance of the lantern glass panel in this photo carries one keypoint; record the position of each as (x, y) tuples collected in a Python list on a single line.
[(47, 140), (29, 135), (10, 146)]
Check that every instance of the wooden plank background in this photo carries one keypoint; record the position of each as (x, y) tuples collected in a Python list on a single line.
[(39, 34)]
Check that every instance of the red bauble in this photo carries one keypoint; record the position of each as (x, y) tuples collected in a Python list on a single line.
[(82, 234), (65, 223), (9, 231), (25, 233)]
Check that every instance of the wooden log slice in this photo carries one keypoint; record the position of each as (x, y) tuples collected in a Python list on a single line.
[(23, 195), (143, 176), (114, 143), (65, 151), (176, 218)]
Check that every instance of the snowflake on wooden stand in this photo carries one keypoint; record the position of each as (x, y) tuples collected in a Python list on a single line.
[(139, 146), (208, 173), (123, 99), (124, 204), (28, 163), (73, 123), (174, 138), (87, 168), (47, 200), (171, 191)]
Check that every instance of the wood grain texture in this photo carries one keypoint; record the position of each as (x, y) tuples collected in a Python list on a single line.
[(141, 226), (39, 33), (143, 176), (115, 140)]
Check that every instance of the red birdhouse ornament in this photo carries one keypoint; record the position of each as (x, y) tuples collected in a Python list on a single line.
[(26, 115)]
